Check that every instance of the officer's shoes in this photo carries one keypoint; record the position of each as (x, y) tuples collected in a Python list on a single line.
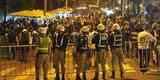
[(96, 76), (57, 77), (113, 75), (104, 76), (63, 76), (84, 76), (78, 77), (122, 76)]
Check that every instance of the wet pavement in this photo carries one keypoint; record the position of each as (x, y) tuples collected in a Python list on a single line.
[(16, 70)]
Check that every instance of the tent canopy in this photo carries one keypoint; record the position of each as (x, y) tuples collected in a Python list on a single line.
[(31, 13)]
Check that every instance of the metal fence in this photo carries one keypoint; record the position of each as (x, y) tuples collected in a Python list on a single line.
[(11, 68), (14, 67)]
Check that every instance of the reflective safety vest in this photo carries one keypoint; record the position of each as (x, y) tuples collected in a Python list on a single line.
[(61, 41), (82, 42), (101, 40), (158, 45), (117, 39), (44, 44)]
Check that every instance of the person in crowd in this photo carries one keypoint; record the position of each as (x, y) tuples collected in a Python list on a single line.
[(43, 52), (115, 42), (133, 38), (35, 38), (100, 40), (92, 32), (24, 40), (126, 41), (144, 40), (74, 36), (61, 43), (82, 52), (12, 41)]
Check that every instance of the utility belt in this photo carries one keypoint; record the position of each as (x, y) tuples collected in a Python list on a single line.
[(99, 49), (61, 48), (83, 49), (115, 47)]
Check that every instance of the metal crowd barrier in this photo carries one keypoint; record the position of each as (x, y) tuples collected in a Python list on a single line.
[(8, 46), (11, 68)]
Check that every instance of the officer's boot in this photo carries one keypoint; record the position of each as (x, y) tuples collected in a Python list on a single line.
[(122, 76), (84, 76), (104, 75), (63, 76), (113, 75), (78, 76), (96, 76), (57, 76)]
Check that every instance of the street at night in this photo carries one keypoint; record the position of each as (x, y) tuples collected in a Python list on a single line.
[(79, 40)]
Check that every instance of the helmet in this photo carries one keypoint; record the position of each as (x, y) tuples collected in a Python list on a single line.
[(84, 29), (100, 27)]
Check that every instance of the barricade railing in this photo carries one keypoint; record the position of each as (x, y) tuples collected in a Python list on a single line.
[(15, 67)]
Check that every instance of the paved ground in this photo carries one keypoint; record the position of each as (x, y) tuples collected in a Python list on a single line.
[(15, 70)]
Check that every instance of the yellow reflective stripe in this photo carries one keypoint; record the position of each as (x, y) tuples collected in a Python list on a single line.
[(43, 50)]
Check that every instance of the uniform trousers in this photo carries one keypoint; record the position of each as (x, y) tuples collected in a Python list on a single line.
[(42, 66)]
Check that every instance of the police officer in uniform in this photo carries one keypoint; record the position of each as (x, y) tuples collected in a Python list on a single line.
[(100, 40), (61, 42), (144, 40), (43, 51), (115, 41), (158, 49), (82, 52)]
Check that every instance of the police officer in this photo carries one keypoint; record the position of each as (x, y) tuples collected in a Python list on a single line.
[(115, 41), (82, 52), (61, 42), (101, 44), (158, 49), (43, 51), (144, 40)]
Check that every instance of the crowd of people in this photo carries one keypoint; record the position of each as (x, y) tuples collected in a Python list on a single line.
[(91, 35)]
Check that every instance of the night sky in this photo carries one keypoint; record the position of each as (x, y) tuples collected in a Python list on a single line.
[(16, 5)]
